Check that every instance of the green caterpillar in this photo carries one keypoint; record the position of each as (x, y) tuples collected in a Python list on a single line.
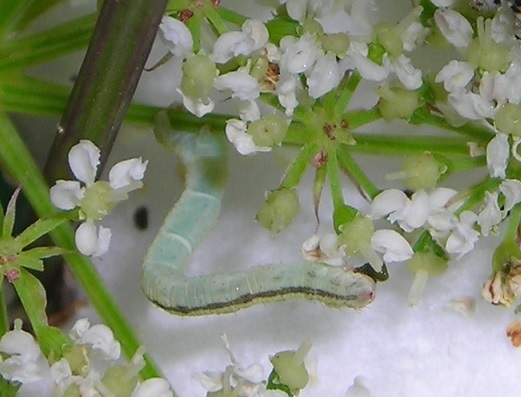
[(195, 213)]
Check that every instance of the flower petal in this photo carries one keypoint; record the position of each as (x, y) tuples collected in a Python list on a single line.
[(394, 247), (154, 387), (243, 142), (66, 195), (511, 189), (127, 174), (90, 241), (177, 36), (498, 151), (84, 160)]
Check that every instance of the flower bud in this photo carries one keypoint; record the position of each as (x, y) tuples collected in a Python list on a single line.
[(397, 103), (337, 43), (508, 119), (279, 210), (199, 73), (484, 52), (269, 130), (290, 368), (422, 171)]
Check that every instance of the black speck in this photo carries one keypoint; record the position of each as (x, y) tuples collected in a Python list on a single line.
[(141, 218)]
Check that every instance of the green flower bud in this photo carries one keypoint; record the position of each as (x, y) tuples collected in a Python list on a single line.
[(312, 27), (199, 72), (279, 210), (356, 235), (508, 119), (389, 38), (397, 103), (484, 52), (337, 43), (120, 381), (422, 171), (259, 68), (290, 368), (269, 130)]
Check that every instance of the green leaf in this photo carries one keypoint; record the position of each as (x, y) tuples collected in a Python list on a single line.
[(10, 214), (30, 263), (53, 342), (41, 227), (32, 295), (45, 252)]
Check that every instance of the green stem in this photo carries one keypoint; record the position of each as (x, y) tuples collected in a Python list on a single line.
[(351, 167), (16, 160), (50, 44), (298, 166), (394, 145), (4, 316), (470, 130), (108, 77), (514, 220), (476, 193), (334, 180), (359, 118), (215, 20), (346, 91)]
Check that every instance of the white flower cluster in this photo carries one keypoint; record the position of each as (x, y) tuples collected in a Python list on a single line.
[(85, 370), (236, 380), (95, 199)]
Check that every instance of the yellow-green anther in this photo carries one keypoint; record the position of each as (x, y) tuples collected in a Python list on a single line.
[(484, 52), (508, 119), (397, 103)]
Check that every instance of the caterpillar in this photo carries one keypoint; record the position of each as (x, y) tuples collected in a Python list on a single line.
[(165, 283)]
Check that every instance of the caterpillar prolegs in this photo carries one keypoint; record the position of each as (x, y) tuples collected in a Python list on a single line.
[(195, 213)]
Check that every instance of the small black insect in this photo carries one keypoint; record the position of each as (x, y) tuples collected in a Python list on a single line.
[(141, 218)]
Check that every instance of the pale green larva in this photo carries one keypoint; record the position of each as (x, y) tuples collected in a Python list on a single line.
[(165, 283)]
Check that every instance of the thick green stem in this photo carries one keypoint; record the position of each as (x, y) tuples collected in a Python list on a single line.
[(16, 160), (107, 79)]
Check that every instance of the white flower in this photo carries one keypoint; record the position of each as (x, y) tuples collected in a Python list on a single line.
[(197, 106), (441, 219), (253, 37), (299, 9), (26, 362), (177, 36), (247, 382), (299, 55), (323, 248), (455, 75), (409, 213), (358, 388), (409, 76), (454, 27), (99, 337), (394, 247), (498, 152), (240, 83), (154, 387), (243, 142), (463, 237), (324, 76), (511, 189), (95, 199), (368, 69), (490, 215), (286, 89)]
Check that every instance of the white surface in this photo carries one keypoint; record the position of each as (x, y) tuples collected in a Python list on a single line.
[(400, 351)]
